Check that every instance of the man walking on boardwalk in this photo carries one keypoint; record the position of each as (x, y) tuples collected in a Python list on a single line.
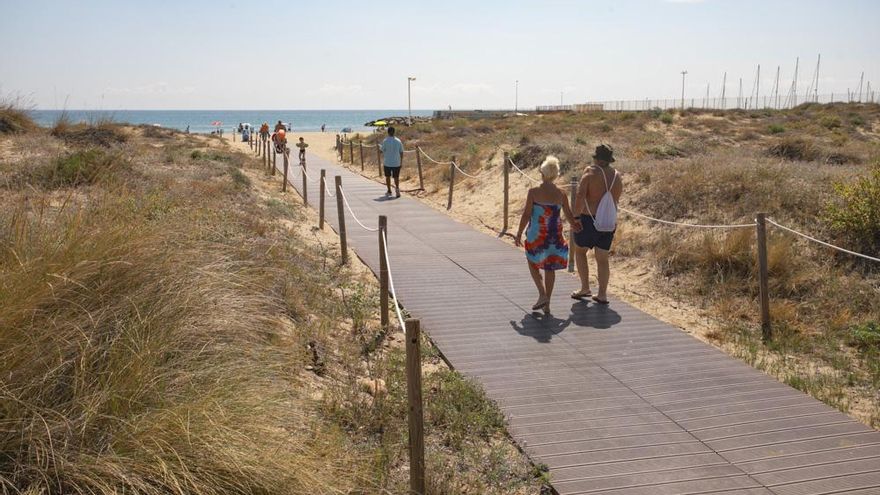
[(599, 180), (392, 151)]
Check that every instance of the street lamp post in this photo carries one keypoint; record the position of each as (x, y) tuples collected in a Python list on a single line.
[(683, 73), (409, 81)]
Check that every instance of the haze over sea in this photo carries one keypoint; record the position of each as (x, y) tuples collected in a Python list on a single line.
[(200, 120)]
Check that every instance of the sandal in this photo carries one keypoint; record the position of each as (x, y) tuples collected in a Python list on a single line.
[(540, 305), (580, 295), (600, 301)]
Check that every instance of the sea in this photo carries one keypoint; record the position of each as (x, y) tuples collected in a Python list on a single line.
[(203, 121)]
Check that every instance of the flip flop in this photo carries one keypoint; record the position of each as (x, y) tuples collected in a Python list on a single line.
[(599, 301), (537, 307), (581, 295)]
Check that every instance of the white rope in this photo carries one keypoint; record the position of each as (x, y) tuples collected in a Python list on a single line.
[(698, 226), (536, 181), (805, 236), (433, 160), (463, 172), (391, 283), (356, 219)]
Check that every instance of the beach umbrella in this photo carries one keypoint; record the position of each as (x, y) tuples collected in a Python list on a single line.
[(380, 122), (217, 123)]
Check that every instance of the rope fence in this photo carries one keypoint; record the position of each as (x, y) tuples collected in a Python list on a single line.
[(356, 219), (832, 246), (391, 281), (759, 224), (692, 225)]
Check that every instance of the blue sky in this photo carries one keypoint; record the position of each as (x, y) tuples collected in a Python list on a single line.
[(225, 54)]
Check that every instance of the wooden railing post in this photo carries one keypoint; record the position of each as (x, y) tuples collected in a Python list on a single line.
[(322, 194), (339, 147), (414, 399), (351, 152), (419, 165), (763, 285), (571, 243), (383, 273), (361, 145), (451, 183), (286, 167), (274, 160), (305, 189), (506, 191), (379, 159), (340, 212)]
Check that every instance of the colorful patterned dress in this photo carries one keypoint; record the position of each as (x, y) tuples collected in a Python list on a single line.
[(545, 244)]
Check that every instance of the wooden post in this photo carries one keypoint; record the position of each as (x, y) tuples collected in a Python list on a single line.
[(305, 189), (351, 152), (419, 165), (414, 398), (571, 244), (379, 159), (286, 166), (274, 160), (451, 183), (766, 330), (323, 184), (506, 191), (383, 273), (339, 146), (361, 145), (251, 140), (340, 212)]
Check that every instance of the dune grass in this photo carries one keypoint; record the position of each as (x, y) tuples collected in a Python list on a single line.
[(169, 326), (139, 344)]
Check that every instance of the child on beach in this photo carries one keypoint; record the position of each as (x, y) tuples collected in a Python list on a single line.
[(302, 145)]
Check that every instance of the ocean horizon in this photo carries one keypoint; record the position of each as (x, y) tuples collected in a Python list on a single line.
[(201, 121)]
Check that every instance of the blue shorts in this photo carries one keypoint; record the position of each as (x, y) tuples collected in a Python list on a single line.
[(589, 237)]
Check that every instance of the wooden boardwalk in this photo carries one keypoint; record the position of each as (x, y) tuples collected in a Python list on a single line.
[(612, 400)]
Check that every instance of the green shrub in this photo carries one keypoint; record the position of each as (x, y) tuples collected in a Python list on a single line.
[(865, 335), (855, 216), (794, 149), (666, 118), (240, 180), (830, 122), (776, 128), (80, 168)]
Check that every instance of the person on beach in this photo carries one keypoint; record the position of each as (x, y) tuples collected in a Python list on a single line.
[(598, 180), (322, 127), (545, 245), (392, 151), (264, 131), (279, 139), (302, 145), (280, 126)]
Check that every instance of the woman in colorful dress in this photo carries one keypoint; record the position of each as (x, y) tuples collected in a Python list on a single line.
[(545, 245)]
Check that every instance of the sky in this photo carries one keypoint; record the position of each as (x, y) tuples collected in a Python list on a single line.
[(329, 54)]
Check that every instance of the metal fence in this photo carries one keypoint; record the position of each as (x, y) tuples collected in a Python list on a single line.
[(746, 103)]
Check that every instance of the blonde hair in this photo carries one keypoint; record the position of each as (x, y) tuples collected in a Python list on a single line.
[(550, 167)]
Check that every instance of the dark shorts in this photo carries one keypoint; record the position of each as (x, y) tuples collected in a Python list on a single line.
[(589, 237), (392, 172)]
